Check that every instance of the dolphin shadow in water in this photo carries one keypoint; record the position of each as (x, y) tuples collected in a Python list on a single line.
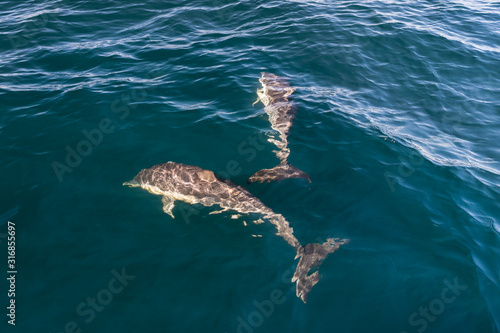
[(281, 111), (192, 184)]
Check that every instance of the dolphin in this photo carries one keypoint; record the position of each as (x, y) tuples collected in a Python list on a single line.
[(194, 185), (274, 95)]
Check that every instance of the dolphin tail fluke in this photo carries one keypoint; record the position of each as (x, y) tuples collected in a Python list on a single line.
[(280, 172), (311, 256)]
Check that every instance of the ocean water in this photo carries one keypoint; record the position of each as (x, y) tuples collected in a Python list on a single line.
[(398, 126)]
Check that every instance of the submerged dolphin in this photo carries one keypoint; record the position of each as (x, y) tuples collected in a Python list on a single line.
[(175, 181), (274, 95)]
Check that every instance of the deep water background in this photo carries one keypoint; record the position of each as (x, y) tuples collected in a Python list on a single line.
[(398, 126)]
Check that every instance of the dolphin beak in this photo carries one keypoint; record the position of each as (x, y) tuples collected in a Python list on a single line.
[(131, 183)]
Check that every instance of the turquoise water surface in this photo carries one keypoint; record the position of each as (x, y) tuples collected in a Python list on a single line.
[(398, 126)]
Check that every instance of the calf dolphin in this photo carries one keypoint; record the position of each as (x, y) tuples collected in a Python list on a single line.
[(192, 184), (274, 95)]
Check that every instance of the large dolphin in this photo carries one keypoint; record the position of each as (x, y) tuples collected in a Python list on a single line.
[(281, 111), (191, 184)]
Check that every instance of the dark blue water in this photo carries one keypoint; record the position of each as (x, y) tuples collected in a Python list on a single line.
[(398, 126)]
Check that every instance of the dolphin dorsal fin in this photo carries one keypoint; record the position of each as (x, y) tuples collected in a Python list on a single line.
[(206, 175)]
